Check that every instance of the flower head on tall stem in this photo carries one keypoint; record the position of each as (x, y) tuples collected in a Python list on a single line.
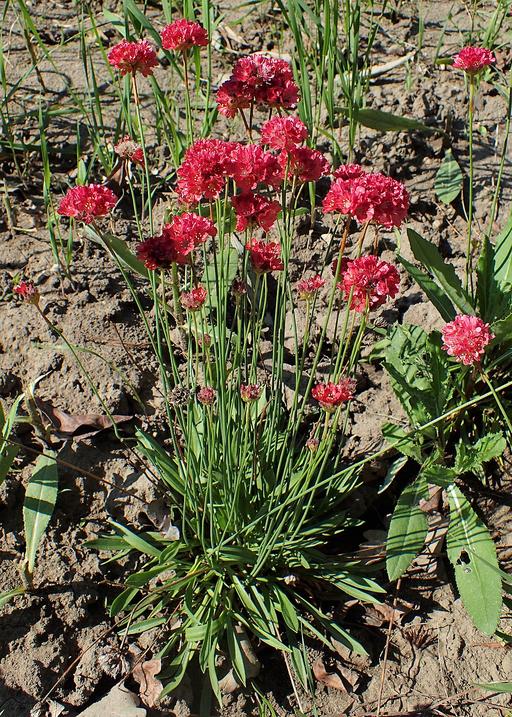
[(265, 256), (284, 133), (193, 300), (133, 57), (203, 172), (331, 395), (249, 165), (181, 35), (250, 392), (206, 395), (465, 338), (27, 291), (473, 59), (86, 202), (128, 150), (307, 288), (253, 209), (176, 241), (304, 164), (369, 281)]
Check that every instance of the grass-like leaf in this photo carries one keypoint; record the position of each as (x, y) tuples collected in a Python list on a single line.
[(503, 253)]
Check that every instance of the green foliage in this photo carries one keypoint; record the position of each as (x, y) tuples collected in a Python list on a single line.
[(448, 181), (40, 499), (407, 529)]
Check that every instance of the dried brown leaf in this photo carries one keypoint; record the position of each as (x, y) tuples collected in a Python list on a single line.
[(149, 687), (78, 426), (380, 614), (346, 681)]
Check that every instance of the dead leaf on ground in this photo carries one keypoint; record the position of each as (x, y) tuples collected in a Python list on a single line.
[(229, 683), (78, 426), (381, 613), (149, 687), (345, 680)]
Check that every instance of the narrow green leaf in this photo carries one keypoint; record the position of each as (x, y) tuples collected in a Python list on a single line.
[(388, 122), (287, 609), (449, 179), (503, 253), (235, 651), (472, 552), (10, 594), (40, 499), (434, 292), (7, 457), (121, 601), (144, 625), (119, 249), (137, 541), (495, 686), (407, 529), (428, 255)]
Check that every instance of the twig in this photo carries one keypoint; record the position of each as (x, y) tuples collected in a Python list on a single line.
[(386, 649)]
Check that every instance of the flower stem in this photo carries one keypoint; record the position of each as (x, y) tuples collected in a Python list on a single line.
[(469, 248)]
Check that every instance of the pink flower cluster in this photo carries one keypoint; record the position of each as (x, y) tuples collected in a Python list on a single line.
[(473, 59), (133, 57), (193, 300), (307, 288), (367, 281), (265, 256), (87, 202), (465, 338), (183, 34), (27, 291), (331, 395), (367, 197), (203, 172), (258, 80), (176, 242), (255, 210), (250, 391)]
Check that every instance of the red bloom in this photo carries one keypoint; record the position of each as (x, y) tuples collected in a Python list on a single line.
[(27, 291), (369, 197), (473, 59), (183, 34), (250, 391), (176, 242), (265, 256), (348, 171), (232, 96), (239, 288), (284, 133), (331, 395), (206, 395), (250, 165), (127, 149), (307, 288), (86, 202), (306, 164), (254, 209), (370, 280), (202, 174), (261, 80), (194, 299), (133, 57), (465, 338)]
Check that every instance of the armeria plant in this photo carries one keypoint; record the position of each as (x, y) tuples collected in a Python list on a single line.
[(252, 468), (455, 385)]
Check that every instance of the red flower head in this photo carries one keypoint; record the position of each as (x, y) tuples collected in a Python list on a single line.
[(86, 202), (176, 242), (348, 171), (194, 299), (254, 209), (239, 288), (133, 57), (465, 338), (284, 133), (306, 164), (370, 280), (129, 150), (250, 391), (331, 395), (473, 59), (206, 395), (369, 197), (232, 96), (250, 165), (27, 291), (181, 35), (265, 256), (269, 80), (202, 174), (307, 288)]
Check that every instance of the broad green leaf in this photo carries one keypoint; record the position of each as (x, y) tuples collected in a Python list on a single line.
[(145, 625), (399, 439), (287, 609), (492, 301), (472, 552), (119, 249), (7, 456), (428, 255), (503, 253), (121, 601), (434, 292), (439, 475), (226, 273), (40, 499), (449, 179), (388, 122), (407, 529), (469, 458), (495, 686)]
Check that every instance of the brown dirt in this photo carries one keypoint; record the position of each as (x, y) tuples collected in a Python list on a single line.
[(64, 622)]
